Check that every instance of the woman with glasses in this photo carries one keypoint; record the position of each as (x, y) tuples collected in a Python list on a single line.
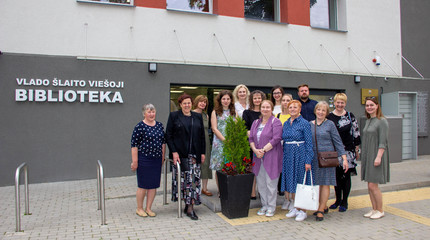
[(276, 94)]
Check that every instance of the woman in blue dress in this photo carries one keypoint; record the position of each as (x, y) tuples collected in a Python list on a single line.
[(147, 155), (298, 154)]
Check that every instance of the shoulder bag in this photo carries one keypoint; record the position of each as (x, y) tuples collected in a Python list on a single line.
[(326, 159)]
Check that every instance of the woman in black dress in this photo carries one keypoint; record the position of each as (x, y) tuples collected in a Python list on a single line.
[(185, 137), (349, 132)]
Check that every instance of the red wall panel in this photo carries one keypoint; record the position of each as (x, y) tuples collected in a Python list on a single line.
[(231, 8), (150, 3), (296, 12)]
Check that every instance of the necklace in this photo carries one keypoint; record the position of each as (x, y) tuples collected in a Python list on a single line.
[(339, 114)]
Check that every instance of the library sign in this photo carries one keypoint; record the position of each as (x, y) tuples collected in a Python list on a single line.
[(102, 91)]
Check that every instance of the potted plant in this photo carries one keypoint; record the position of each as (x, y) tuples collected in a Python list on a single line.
[(236, 178)]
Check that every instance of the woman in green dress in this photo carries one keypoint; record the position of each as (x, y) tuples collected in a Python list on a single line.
[(200, 106), (375, 164)]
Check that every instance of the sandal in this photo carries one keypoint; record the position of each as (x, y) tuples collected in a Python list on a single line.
[(151, 213), (325, 211), (318, 219), (141, 213)]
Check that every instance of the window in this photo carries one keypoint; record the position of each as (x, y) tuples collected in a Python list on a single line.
[(204, 6), (114, 2), (262, 9), (329, 14)]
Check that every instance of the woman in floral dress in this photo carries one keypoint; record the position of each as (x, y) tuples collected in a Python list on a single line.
[(224, 107)]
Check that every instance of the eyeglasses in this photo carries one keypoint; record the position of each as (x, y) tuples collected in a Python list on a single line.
[(370, 98), (276, 93)]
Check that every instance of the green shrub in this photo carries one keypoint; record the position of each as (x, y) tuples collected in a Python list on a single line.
[(236, 148)]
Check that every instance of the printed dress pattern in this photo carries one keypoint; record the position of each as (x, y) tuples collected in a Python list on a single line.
[(217, 145)]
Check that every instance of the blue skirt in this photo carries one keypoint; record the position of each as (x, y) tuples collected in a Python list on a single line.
[(148, 172)]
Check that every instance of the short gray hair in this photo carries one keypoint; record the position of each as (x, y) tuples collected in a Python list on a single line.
[(147, 107), (321, 104)]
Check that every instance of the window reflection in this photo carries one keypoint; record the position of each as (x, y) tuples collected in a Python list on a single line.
[(189, 5), (260, 9)]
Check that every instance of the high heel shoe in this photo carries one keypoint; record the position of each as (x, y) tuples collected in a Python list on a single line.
[(334, 206), (192, 215)]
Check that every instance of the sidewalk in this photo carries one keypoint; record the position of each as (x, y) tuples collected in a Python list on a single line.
[(404, 175), (68, 210)]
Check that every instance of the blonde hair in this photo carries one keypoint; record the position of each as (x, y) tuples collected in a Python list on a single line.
[(286, 95), (341, 97), (236, 91), (320, 104)]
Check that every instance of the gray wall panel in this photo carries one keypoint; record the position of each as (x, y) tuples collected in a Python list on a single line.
[(62, 141)]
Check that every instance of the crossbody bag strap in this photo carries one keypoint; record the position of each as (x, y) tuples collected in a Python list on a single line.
[(316, 142)]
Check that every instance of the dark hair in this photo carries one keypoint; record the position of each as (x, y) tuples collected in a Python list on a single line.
[(218, 105), (198, 99), (378, 111), (271, 93), (183, 97), (251, 96)]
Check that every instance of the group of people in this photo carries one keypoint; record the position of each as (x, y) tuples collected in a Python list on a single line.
[(284, 136)]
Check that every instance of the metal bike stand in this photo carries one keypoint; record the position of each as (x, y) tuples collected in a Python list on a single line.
[(21, 167), (101, 191)]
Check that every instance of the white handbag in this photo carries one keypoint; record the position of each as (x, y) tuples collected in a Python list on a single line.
[(307, 196)]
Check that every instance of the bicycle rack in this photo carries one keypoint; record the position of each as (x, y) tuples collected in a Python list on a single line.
[(101, 191), (24, 167), (179, 187)]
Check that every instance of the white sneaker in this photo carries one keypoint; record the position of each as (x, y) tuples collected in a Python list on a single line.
[(370, 213), (292, 213), (270, 213), (261, 212), (377, 215), (286, 204), (301, 216), (291, 204)]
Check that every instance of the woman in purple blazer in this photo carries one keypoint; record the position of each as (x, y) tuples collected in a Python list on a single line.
[(265, 141)]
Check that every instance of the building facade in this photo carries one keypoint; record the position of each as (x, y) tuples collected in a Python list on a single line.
[(74, 74)]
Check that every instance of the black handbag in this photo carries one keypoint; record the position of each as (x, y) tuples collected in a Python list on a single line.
[(326, 159)]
